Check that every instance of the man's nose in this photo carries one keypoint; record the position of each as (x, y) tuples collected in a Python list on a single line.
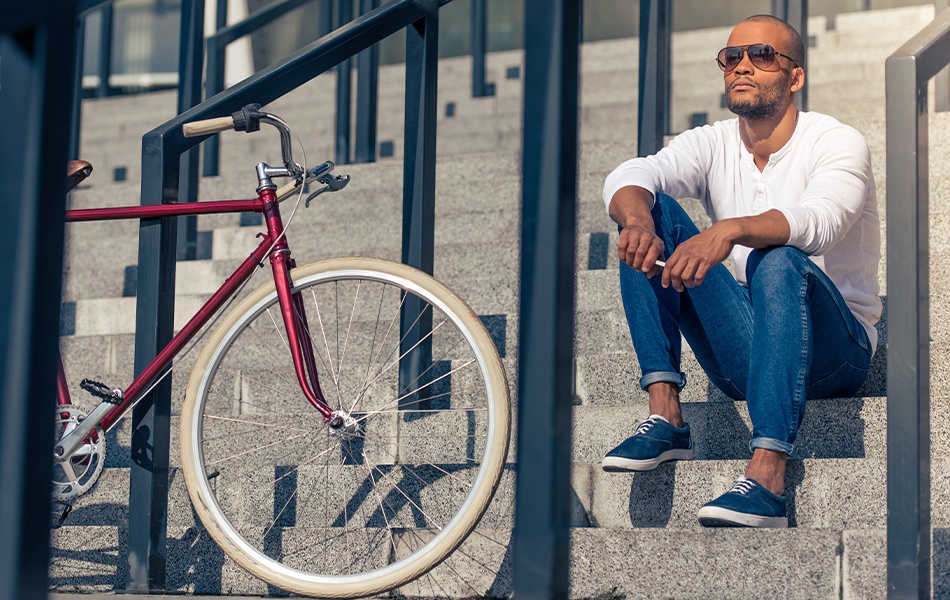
[(745, 65)]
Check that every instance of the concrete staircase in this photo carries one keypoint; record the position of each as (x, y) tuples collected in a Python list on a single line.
[(633, 535)]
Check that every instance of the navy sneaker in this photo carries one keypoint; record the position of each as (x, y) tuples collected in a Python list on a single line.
[(655, 442), (747, 504)]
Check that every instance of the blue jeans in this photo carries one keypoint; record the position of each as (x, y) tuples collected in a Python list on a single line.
[(786, 337)]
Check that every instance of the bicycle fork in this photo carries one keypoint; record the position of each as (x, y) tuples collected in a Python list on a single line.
[(293, 311)]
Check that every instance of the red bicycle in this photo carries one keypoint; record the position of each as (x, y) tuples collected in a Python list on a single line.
[(331, 445)]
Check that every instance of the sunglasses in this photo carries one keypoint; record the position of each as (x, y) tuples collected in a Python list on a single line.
[(762, 56)]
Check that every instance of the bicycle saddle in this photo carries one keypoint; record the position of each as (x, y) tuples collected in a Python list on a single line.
[(76, 171)]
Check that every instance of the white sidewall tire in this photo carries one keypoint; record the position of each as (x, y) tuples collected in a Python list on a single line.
[(396, 574)]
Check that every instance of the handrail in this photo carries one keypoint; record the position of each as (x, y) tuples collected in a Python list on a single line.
[(254, 21), (298, 68), (907, 72)]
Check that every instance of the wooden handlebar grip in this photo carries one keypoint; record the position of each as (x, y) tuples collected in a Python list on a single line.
[(207, 126), (287, 189)]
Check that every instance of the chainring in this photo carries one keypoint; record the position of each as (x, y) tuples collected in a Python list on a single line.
[(78, 473)]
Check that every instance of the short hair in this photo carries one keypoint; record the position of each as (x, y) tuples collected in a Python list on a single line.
[(796, 47)]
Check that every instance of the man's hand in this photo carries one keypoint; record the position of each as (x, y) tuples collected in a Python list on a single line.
[(640, 248), (689, 263)]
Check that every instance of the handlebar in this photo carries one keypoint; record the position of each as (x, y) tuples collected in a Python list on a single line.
[(249, 119)]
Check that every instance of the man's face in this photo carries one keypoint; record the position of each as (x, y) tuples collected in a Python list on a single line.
[(755, 93)]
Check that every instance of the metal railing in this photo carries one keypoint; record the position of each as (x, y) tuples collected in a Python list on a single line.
[(653, 98), (162, 149), (546, 313), (795, 13), (480, 87), (907, 73), (37, 44)]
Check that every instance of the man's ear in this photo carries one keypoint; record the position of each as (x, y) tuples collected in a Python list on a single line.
[(797, 79)]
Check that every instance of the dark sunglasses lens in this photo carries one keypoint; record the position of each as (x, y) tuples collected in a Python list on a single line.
[(761, 55), (729, 57)]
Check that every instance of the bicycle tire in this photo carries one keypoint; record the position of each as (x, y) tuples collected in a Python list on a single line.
[(217, 477)]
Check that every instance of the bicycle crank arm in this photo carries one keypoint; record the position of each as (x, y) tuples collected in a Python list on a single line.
[(74, 439)]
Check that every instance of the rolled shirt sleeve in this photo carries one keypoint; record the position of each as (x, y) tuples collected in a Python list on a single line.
[(678, 170)]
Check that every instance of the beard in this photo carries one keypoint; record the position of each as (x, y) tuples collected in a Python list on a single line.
[(763, 105)]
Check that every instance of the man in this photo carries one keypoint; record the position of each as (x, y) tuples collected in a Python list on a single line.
[(791, 198)]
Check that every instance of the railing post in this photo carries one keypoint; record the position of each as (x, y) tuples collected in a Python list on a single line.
[(367, 96), (326, 17), (344, 83), (418, 212), (907, 74), (190, 60), (479, 47), (76, 120), (795, 13), (36, 87), (105, 49), (908, 332), (653, 116), (214, 83), (942, 81), (154, 326), (164, 169), (546, 315)]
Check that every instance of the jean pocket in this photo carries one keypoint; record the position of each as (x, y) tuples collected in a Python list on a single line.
[(843, 382)]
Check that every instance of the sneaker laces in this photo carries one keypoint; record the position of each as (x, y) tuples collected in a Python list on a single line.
[(646, 426), (742, 486)]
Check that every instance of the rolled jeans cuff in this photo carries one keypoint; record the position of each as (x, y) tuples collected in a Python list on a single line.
[(771, 444), (650, 378)]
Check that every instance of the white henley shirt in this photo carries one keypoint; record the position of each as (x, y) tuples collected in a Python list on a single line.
[(820, 180)]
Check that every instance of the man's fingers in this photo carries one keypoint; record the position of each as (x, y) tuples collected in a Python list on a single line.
[(668, 272), (700, 275), (639, 248)]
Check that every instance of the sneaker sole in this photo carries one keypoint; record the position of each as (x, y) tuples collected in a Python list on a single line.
[(614, 464), (714, 516)]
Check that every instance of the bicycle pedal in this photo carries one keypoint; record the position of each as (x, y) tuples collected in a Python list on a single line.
[(59, 520), (101, 390)]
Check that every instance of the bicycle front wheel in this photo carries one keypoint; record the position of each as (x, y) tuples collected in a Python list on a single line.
[(359, 510)]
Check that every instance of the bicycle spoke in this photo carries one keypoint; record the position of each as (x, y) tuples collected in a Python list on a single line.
[(256, 424), (380, 502), (397, 400), (258, 449), (396, 362), (349, 326), (326, 342), (372, 346), (434, 466), (367, 384), (435, 361)]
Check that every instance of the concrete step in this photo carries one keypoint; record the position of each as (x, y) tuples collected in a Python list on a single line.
[(843, 564), (837, 564)]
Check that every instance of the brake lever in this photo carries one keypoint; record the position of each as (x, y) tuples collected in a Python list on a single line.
[(331, 183)]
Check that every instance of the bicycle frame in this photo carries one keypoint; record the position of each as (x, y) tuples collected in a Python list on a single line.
[(273, 243)]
